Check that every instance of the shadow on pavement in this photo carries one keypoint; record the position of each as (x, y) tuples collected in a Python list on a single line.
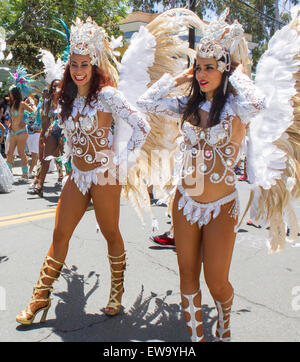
[(165, 322)]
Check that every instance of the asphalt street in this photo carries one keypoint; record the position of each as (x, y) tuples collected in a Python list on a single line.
[(266, 307)]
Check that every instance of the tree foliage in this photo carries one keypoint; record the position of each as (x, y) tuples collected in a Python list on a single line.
[(27, 24)]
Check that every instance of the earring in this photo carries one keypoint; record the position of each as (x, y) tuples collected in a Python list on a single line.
[(225, 85)]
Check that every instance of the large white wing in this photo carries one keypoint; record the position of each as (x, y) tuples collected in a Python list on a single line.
[(273, 157), (275, 78), (138, 58)]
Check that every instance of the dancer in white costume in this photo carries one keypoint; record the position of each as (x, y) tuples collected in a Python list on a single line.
[(214, 114), (90, 107)]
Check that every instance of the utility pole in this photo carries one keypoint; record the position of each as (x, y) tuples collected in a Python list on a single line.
[(192, 7)]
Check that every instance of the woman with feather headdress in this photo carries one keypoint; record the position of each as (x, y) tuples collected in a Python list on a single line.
[(92, 112), (221, 105), (18, 133), (221, 102)]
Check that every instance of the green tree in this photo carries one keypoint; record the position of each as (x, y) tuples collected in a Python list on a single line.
[(27, 24)]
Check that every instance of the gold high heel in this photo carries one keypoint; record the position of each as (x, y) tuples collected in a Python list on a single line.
[(40, 286), (116, 281)]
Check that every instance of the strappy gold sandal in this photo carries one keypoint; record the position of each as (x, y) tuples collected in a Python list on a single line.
[(40, 287), (117, 277), (192, 321)]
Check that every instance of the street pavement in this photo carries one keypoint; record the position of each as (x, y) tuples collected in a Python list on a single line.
[(266, 307)]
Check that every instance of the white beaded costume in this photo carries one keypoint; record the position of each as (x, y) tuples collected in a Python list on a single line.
[(85, 139), (210, 143)]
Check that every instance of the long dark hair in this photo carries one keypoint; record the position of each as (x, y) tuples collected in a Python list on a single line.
[(51, 96), (17, 98), (196, 97), (68, 89)]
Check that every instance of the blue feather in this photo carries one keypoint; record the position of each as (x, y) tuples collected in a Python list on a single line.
[(61, 33), (67, 31)]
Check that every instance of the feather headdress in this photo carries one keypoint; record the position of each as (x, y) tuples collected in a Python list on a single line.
[(21, 80), (66, 35), (88, 38), (221, 39), (52, 69)]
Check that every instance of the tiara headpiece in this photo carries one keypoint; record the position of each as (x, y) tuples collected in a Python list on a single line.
[(220, 41), (87, 39)]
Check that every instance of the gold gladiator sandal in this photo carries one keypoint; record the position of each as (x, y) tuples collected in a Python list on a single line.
[(117, 279), (40, 287), (192, 320), (223, 320)]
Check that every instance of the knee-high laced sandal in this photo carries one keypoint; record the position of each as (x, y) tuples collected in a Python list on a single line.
[(117, 278), (223, 319), (37, 289), (193, 323)]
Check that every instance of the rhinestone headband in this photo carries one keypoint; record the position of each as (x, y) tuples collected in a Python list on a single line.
[(87, 39), (220, 41)]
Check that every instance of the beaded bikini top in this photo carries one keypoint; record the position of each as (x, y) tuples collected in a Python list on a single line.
[(85, 135), (207, 145)]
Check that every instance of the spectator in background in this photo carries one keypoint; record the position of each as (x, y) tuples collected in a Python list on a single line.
[(18, 132), (34, 126)]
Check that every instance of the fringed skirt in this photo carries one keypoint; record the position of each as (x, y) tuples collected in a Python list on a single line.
[(201, 213)]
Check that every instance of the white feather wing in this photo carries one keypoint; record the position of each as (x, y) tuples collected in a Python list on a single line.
[(136, 61), (274, 77), (52, 69)]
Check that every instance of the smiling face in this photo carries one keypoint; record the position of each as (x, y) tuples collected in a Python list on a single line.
[(208, 75), (81, 72)]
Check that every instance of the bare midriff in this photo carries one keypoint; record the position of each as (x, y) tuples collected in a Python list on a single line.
[(17, 122)]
